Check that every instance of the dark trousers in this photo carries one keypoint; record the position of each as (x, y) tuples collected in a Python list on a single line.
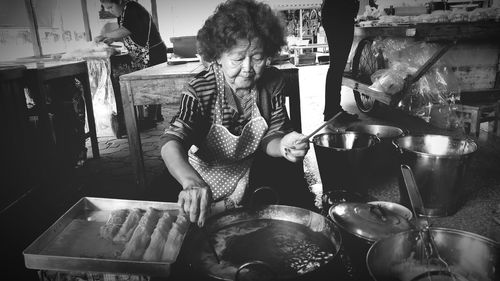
[(337, 18)]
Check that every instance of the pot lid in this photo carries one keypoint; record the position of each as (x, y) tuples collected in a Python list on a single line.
[(367, 221)]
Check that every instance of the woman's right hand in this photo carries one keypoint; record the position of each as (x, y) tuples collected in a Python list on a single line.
[(195, 200)]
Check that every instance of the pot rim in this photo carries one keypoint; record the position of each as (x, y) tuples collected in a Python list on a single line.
[(402, 132), (435, 156), (376, 140)]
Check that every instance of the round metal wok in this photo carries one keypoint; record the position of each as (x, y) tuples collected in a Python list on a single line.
[(264, 243)]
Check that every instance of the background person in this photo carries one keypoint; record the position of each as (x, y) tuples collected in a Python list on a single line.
[(337, 18), (140, 37)]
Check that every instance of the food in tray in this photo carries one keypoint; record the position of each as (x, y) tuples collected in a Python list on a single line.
[(179, 228), (114, 223), (136, 246), (129, 226), (159, 237)]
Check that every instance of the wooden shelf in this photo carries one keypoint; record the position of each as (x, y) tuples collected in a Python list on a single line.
[(486, 30)]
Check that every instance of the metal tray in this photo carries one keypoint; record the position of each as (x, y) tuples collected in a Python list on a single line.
[(73, 243)]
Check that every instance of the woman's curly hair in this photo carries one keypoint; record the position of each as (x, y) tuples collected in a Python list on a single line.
[(240, 19)]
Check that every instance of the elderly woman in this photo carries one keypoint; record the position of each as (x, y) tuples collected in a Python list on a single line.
[(230, 111), (140, 37)]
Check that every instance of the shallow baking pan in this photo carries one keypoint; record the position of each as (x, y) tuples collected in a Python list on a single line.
[(73, 243)]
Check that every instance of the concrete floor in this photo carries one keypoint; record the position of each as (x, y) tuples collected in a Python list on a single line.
[(111, 176)]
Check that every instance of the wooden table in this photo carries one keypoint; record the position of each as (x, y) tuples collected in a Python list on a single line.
[(39, 73), (15, 145), (162, 84)]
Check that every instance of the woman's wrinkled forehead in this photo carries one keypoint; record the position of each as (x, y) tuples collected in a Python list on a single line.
[(246, 45)]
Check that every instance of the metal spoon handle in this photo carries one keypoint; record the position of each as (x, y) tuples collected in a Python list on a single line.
[(322, 126), (411, 187)]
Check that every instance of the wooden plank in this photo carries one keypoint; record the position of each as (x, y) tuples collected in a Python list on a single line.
[(483, 95), (86, 22), (363, 89), (154, 13), (134, 138), (458, 31), (158, 91), (189, 69), (35, 37), (385, 31)]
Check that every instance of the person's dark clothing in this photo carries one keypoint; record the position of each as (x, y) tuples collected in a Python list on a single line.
[(137, 20), (337, 18)]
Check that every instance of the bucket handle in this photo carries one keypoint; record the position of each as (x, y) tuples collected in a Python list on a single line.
[(397, 147)]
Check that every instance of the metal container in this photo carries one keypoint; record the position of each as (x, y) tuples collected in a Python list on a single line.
[(342, 158), (257, 240), (401, 256), (73, 243), (440, 164), (362, 224), (385, 160)]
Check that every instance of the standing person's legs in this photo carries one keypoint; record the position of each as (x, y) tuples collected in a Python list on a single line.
[(337, 18)]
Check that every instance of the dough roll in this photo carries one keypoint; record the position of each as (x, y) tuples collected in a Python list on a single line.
[(158, 238), (112, 226), (136, 246), (128, 226)]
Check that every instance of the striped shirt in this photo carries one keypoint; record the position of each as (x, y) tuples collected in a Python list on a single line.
[(197, 109)]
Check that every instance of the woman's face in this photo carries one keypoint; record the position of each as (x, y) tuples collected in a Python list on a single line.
[(113, 8), (243, 64)]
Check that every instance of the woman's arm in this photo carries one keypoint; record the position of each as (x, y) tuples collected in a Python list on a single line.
[(196, 196), (114, 35)]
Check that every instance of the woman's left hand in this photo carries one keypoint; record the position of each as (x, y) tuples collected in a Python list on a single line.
[(294, 146)]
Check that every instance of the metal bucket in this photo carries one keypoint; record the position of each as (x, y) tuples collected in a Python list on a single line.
[(385, 159), (440, 165), (343, 158)]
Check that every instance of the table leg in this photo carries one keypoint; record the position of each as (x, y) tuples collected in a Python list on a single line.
[(134, 138), (47, 132), (87, 96)]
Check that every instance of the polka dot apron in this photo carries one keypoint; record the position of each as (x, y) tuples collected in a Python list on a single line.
[(224, 159)]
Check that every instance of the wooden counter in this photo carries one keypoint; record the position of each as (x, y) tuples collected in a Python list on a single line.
[(162, 84)]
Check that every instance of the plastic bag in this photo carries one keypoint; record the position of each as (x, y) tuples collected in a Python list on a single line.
[(433, 96), (103, 96)]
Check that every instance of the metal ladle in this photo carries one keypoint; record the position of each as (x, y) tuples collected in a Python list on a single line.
[(430, 248)]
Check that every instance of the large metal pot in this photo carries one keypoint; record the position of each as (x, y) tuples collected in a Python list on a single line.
[(361, 225), (440, 164), (401, 256), (270, 242), (342, 157), (385, 160)]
